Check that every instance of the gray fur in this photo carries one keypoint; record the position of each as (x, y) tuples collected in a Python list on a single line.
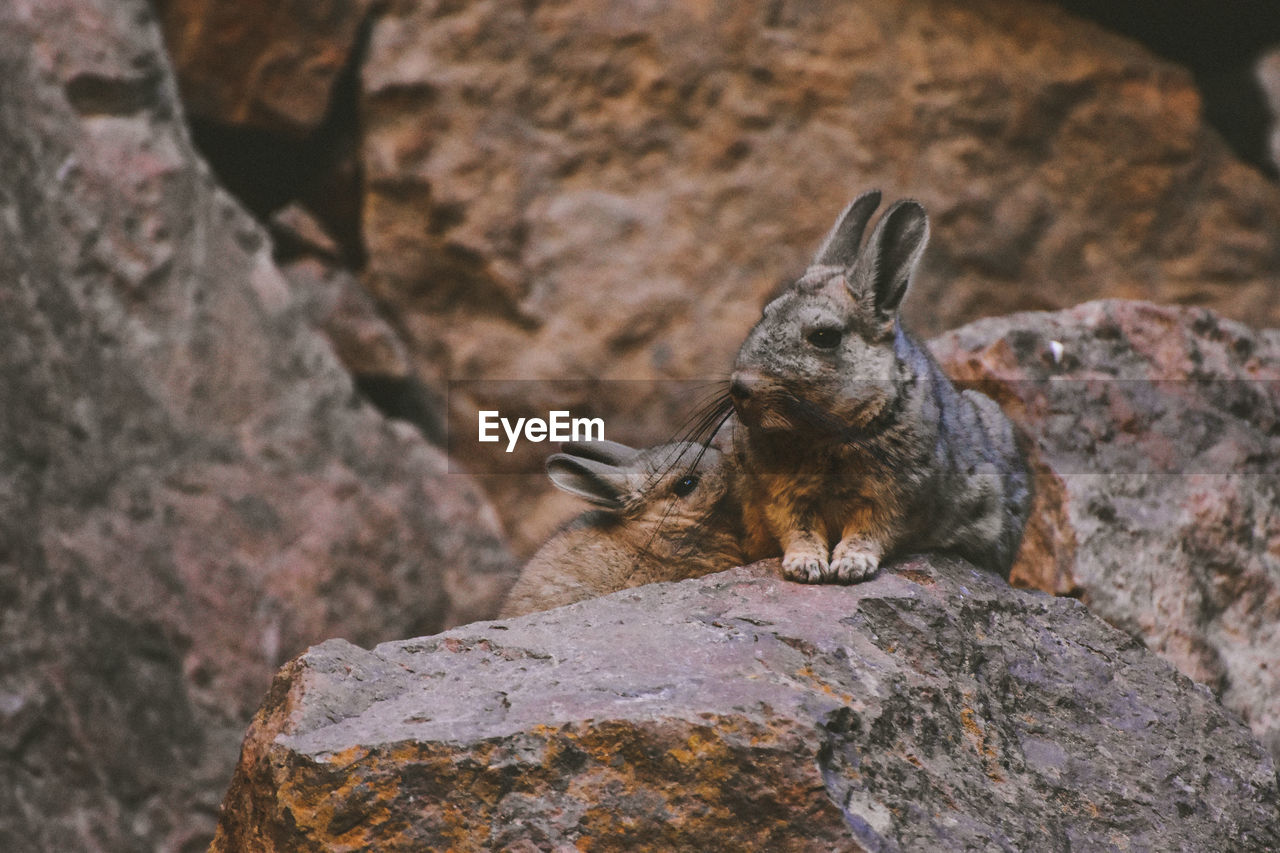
[(840, 248), (854, 452)]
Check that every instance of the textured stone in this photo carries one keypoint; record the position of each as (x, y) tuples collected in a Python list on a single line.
[(932, 708), (192, 492), (591, 189), (1267, 72), (265, 65), (1157, 431), (363, 341)]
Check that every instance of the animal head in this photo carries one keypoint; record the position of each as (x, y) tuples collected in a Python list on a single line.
[(822, 357), (662, 514), (660, 498)]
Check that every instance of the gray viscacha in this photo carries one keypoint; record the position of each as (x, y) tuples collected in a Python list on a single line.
[(853, 444)]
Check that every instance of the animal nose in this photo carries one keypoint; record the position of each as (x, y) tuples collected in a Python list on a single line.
[(742, 384)]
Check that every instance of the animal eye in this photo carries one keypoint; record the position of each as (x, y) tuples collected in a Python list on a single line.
[(824, 338), (684, 486)]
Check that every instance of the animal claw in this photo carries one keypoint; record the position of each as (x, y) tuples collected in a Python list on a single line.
[(853, 563), (805, 567)]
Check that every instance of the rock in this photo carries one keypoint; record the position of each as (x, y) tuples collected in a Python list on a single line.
[(932, 708), (1267, 72), (366, 343), (608, 190), (1157, 432), (192, 492), (297, 233), (268, 66), (368, 346), (1219, 50)]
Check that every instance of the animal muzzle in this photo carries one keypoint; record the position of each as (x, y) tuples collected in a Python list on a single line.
[(755, 400), (744, 388)]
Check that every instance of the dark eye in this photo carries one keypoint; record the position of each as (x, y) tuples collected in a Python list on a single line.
[(684, 486), (824, 338)]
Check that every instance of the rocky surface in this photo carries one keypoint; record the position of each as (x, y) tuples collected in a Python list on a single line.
[(192, 491), (1157, 432), (1220, 50), (932, 708), (663, 145), (587, 189), (597, 190), (269, 66), (1268, 75)]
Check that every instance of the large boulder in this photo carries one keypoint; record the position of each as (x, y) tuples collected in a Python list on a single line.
[(191, 490), (1156, 435), (932, 708)]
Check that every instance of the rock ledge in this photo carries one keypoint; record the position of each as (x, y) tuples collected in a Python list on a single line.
[(931, 708)]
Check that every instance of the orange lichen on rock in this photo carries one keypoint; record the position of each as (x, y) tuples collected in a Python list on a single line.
[(792, 717)]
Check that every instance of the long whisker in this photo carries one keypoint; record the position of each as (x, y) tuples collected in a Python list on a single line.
[(705, 423), (694, 426), (698, 428), (713, 413), (715, 419)]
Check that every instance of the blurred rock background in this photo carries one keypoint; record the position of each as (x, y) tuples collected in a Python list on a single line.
[(609, 190), (247, 246)]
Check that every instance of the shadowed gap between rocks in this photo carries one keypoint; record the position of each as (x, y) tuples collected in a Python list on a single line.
[(267, 171), (1219, 45)]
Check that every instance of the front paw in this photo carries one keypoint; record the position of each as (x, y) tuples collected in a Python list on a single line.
[(854, 561), (805, 566)]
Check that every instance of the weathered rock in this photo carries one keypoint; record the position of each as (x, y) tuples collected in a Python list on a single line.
[(368, 346), (270, 66), (595, 189), (1268, 76), (191, 491), (1218, 49), (1157, 430), (364, 341), (932, 708), (297, 233)]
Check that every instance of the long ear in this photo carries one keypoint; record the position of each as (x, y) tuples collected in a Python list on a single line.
[(596, 482), (840, 248), (891, 256), (608, 452)]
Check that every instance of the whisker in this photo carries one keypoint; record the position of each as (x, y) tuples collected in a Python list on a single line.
[(724, 415), (698, 428), (714, 412), (693, 424), (713, 416)]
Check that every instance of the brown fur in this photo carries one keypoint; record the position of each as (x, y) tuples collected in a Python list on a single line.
[(644, 530), (853, 445)]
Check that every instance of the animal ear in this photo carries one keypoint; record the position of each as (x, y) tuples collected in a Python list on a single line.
[(608, 452), (892, 254), (596, 482), (840, 248)]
